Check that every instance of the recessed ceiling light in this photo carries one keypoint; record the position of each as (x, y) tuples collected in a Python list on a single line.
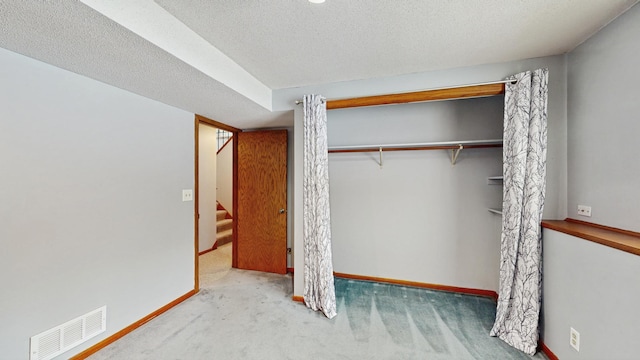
[(316, 1)]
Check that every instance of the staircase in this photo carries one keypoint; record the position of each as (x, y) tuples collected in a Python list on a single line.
[(224, 226)]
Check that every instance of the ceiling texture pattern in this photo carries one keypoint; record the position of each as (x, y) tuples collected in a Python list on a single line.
[(223, 58)]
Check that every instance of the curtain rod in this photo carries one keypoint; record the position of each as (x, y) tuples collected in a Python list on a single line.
[(511, 81)]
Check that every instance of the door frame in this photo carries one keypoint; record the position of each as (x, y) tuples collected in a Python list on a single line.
[(199, 119)]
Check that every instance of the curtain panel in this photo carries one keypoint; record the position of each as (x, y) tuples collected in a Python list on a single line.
[(319, 289), (524, 170)]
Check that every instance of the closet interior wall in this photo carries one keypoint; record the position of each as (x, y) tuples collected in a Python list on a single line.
[(418, 217)]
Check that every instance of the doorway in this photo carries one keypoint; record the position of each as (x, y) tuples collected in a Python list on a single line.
[(208, 212), (260, 220)]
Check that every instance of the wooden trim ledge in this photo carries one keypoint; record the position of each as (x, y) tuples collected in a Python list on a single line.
[(111, 339), (620, 239)]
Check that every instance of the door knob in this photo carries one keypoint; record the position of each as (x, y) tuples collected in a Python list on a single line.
[(281, 211)]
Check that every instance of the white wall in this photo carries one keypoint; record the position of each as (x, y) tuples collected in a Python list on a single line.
[(296, 170), (595, 290), (90, 202), (290, 194), (589, 286), (555, 206), (224, 174), (207, 183), (603, 107)]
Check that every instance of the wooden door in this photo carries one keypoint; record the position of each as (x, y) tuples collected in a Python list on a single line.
[(262, 201)]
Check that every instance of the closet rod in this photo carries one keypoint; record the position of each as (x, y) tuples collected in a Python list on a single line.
[(447, 145), (454, 92)]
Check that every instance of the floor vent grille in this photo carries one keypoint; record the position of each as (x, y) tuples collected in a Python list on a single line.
[(59, 339)]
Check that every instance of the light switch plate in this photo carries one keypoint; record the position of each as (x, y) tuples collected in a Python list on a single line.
[(187, 195)]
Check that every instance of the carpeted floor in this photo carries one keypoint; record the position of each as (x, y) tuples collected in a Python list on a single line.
[(214, 265), (250, 315)]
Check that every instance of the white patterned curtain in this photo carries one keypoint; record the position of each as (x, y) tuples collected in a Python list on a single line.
[(524, 156), (319, 289)]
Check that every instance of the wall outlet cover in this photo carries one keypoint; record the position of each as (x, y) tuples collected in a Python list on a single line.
[(584, 210), (574, 339)]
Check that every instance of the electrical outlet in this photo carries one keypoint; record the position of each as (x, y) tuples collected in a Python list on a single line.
[(584, 210), (574, 339), (187, 195)]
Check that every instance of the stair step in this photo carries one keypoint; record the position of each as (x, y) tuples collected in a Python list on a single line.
[(221, 214), (224, 237), (223, 225)]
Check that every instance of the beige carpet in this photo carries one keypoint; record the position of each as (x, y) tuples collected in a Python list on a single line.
[(249, 315), (240, 314), (214, 265)]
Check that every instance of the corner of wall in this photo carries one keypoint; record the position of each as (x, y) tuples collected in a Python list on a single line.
[(297, 253)]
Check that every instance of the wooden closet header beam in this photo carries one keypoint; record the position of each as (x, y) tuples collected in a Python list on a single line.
[(470, 91)]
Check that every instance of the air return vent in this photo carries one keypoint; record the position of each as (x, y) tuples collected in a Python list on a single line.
[(54, 342)]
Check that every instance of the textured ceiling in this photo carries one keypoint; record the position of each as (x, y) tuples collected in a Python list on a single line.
[(291, 43), (70, 35)]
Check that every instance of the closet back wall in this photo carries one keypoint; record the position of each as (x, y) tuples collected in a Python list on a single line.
[(418, 218)]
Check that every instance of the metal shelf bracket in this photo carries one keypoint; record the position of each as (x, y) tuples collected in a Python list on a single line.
[(455, 153)]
